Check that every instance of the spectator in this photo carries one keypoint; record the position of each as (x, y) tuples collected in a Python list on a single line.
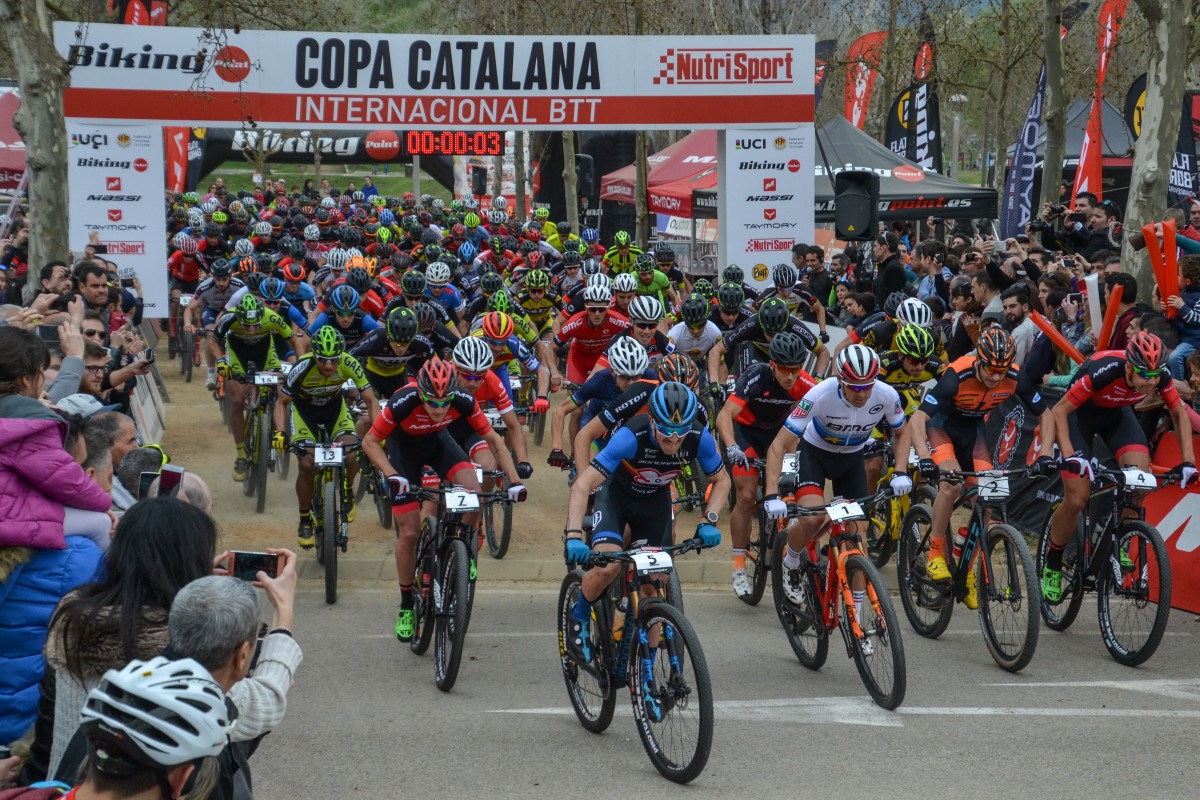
[(819, 278), (984, 290), (369, 189), (115, 432), (192, 490), (966, 331), (70, 371), (1127, 310), (1187, 303), (889, 271), (14, 258), (928, 262), (93, 288), (128, 483), (859, 306), (1015, 301)]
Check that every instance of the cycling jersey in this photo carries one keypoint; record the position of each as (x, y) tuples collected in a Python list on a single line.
[(618, 263), (377, 356), (762, 402), (597, 392), (359, 326), (184, 268), (212, 297), (304, 293), (658, 286), (796, 296), (307, 385), (750, 332), (878, 330), (449, 298), (369, 302), (230, 330), (1100, 384), (633, 401), (824, 419), (403, 419), (588, 342), (960, 397), (910, 387), (632, 460), (695, 346), (541, 310), (714, 316), (439, 311)]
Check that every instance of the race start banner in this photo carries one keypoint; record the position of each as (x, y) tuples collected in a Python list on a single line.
[(116, 178), (767, 181), (293, 79)]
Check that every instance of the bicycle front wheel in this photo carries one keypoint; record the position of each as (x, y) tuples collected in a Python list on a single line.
[(497, 527), (1134, 590), (283, 463), (250, 445), (186, 347), (803, 625), (589, 686), (927, 604), (450, 589), (1009, 598), (879, 652), (423, 605), (671, 692), (383, 498), (1060, 615), (330, 524), (262, 461)]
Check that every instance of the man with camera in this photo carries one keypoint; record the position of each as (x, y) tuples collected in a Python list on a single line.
[(1090, 227)]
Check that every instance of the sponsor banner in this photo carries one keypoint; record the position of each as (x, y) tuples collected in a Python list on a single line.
[(117, 182), (826, 52), (176, 139), (290, 79), (1088, 174), (769, 197), (862, 65), (681, 227), (1018, 187)]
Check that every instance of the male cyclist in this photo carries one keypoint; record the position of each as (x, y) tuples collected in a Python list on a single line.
[(621, 256), (392, 354), (313, 392), (752, 340), (589, 333), (646, 314), (788, 288), (211, 297), (1100, 402), (348, 319), (653, 283), (696, 334)]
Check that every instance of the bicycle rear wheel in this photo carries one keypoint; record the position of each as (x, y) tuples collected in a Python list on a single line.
[(383, 500), (318, 514), (450, 601), (1009, 598), (262, 461), (423, 605), (803, 625), (1060, 615), (186, 348), (757, 559), (927, 604), (879, 654), (497, 527), (671, 693), (330, 523), (589, 686), (1134, 590)]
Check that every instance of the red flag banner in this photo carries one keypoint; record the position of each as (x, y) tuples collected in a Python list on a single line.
[(1087, 173), (863, 57), (176, 141)]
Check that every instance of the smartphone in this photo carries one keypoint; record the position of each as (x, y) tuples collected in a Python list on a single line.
[(99, 249), (246, 565), (48, 334), (169, 480), (1075, 297), (126, 283), (144, 482), (148, 356)]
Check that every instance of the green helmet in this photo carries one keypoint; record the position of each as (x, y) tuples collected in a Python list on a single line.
[(471, 220), (621, 239), (913, 341), (328, 343), (541, 213), (250, 311), (501, 302), (537, 279)]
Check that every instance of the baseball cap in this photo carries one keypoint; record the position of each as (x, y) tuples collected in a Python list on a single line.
[(83, 405)]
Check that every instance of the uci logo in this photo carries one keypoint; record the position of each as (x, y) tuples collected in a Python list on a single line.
[(749, 144), (93, 140)]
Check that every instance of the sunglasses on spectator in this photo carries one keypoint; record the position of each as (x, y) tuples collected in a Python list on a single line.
[(436, 402), (787, 370), (93, 333), (95, 370)]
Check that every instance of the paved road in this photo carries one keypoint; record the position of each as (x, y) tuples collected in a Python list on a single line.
[(366, 719)]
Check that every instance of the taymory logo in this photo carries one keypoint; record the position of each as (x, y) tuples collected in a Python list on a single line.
[(112, 184), (769, 214)]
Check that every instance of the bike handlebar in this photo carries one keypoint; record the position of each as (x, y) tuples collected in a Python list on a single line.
[(796, 510), (600, 559)]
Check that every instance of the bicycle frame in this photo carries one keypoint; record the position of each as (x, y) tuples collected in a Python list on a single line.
[(983, 511), (1095, 544)]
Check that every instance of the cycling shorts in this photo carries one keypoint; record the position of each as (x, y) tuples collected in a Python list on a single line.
[(815, 465), (308, 420), (437, 450), (209, 316), (466, 436), (755, 443), (580, 364), (648, 516), (386, 385), (257, 357), (1118, 428), (185, 287), (959, 441)]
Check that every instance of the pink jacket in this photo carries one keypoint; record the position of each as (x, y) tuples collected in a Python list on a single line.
[(37, 478)]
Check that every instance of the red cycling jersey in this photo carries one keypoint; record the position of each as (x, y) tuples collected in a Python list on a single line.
[(1100, 383), (184, 268), (404, 415), (492, 391), (591, 339)]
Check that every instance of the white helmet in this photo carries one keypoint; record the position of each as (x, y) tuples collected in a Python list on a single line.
[(625, 282), (158, 713), (210, 205), (328, 202), (437, 274), (195, 218), (600, 279), (596, 294), (627, 357), (312, 233), (915, 312), (784, 276), (244, 247), (645, 309), (262, 228), (473, 354), (336, 260), (181, 239)]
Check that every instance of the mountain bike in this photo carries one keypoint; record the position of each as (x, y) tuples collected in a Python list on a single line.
[(1009, 590), (259, 430), (647, 644), (869, 628), (331, 529), (220, 392), (1122, 558), (760, 550), (188, 348), (887, 514)]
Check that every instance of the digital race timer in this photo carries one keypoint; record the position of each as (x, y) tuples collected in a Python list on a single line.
[(454, 143)]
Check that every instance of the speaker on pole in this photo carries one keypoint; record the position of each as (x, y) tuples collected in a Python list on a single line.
[(856, 205)]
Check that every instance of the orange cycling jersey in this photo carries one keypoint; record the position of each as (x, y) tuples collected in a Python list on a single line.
[(961, 396)]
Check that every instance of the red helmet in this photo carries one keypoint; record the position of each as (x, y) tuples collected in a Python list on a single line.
[(497, 326), (1145, 352), (437, 378), (293, 271)]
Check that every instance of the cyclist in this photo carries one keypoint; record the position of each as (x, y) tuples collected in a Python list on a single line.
[(589, 333), (441, 292), (184, 265), (653, 283), (634, 473), (313, 393), (348, 319), (413, 424), (296, 291), (948, 430), (211, 296), (831, 427), (412, 293), (245, 338), (695, 335), (735, 275), (393, 353), (752, 340), (645, 313), (730, 310), (621, 256), (1100, 402), (571, 274), (788, 288), (764, 396), (498, 331)]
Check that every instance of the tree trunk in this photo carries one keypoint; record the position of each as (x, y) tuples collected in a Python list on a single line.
[(1054, 114), (570, 180), (641, 189), (497, 176), (519, 163), (1170, 23), (42, 77)]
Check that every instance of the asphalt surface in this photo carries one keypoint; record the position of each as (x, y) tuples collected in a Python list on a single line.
[(365, 716)]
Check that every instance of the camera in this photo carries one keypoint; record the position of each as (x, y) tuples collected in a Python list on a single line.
[(1058, 210)]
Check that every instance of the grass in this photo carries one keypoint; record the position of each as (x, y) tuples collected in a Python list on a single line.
[(239, 175)]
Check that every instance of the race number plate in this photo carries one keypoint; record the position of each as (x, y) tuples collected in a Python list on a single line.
[(914, 460), (266, 379), (789, 463), (841, 512), (994, 488), (327, 456), (186, 299), (285, 368), (1137, 479), (514, 384), (651, 562), (459, 500), (493, 417)]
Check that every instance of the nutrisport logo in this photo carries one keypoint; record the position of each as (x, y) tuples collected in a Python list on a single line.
[(706, 66)]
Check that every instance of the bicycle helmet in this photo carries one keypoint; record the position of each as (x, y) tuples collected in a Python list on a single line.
[(571, 258), (645, 309), (497, 217), (704, 289), (627, 357), (672, 404), (220, 217), (157, 713), (358, 196), (597, 294), (472, 354), (787, 349), (371, 230), (209, 206), (534, 260), (591, 266), (336, 260), (730, 296), (359, 279), (467, 252), (542, 213), (220, 268), (773, 315), (491, 282), (621, 239), (733, 274), (426, 316), (536, 279), (213, 230), (328, 343), (694, 311), (262, 228), (625, 282), (534, 235), (294, 271), (497, 327), (271, 290), (679, 368), (254, 281), (437, 274), (328, 202), (528, 246), (892, 304), (600, 279), (915, 312), (785, 276), (996, 351), (401, 325), (500, 301), (386, 218), (471, 220), (590, 235), (354, 239), (857, 365), (246, 264), (187, 245), (344, 298), (276, 223), (913, 341), (195, 217), (644, 263), (249, 311), (1145, 352), (437, 378)]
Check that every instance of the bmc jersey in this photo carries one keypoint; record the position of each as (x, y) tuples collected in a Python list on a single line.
[(824, 419), (963, 398), (588, 339), (307, 385), (1100, 383), (763, 404), (403, 418), (633, 461)]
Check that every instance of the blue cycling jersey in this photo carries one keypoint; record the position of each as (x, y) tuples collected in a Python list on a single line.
[(632, 459), (449, 299)]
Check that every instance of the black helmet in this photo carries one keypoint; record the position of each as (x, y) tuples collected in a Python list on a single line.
[(773, 315), (695, 311), (220, 268), (564, 230), (893, 302), (491, 282), (733, 274), (430, 236), (412, 282), (731, 296), (402, 325), (254, 281), (787, 349), (360, 279)]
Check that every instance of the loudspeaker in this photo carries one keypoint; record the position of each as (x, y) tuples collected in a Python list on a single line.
[(479, 180), (585, 177), (856, 205)]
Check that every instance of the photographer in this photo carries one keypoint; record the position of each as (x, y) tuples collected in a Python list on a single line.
[(14, 257), (1090, 227)]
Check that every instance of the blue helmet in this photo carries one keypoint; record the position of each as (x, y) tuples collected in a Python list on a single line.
[(590, 235), (386, 217), (271, 290), (673, 404), (344, 298), (467, 252)]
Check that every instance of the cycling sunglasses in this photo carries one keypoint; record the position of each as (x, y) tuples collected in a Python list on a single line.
[(1147, 374), (471, 376), (344, 314), (327, 360), (672, 431), (858, 389), (436, 402), (596, 309), (646, 326), (787, 370)]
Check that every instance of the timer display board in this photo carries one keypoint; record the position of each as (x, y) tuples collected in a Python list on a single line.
[(453, 143)]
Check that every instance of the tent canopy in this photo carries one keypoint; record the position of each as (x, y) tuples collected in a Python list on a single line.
[(1116, 142), (687, 158), (12, 149), (906, 191)]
